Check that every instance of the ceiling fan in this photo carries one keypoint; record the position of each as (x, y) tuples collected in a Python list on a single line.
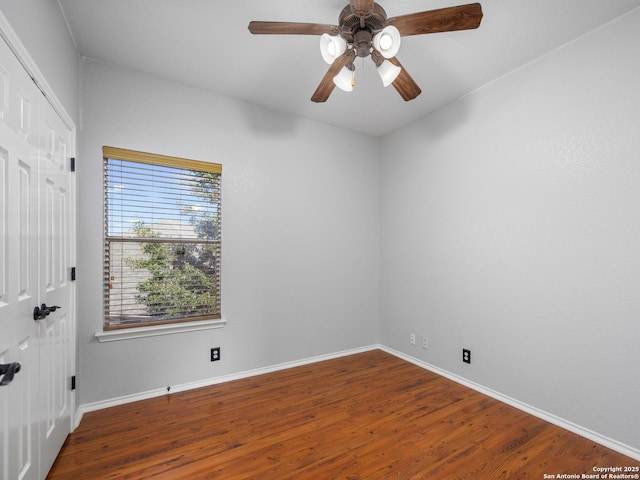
[(363, 29)]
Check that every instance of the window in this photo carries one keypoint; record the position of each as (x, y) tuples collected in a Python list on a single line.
[(162, 239)]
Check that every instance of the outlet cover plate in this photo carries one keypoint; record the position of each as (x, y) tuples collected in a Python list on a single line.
[(466, 355), (215, 354)]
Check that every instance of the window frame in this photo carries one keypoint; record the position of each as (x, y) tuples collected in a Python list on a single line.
[(133, 329)]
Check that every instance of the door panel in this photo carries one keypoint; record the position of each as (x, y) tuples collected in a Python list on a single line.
[(18, 341), (54, 332), (22, 415), (4, 166), (36, 242)]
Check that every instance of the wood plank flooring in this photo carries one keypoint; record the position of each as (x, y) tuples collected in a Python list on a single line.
[(366, 416)]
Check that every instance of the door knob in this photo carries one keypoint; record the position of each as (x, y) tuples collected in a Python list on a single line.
[(42, 311), (8, 371)]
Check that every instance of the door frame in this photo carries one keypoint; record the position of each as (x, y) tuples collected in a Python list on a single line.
[(22, 54)]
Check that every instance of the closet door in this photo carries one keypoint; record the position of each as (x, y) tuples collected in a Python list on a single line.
[(36, 241)]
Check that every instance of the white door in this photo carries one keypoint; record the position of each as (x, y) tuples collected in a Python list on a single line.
[(36, 250), (55, 332)]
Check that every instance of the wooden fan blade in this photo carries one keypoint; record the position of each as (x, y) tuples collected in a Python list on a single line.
[(462, 17), (326, 84), (292, 28), (404, 83), (364, 6)]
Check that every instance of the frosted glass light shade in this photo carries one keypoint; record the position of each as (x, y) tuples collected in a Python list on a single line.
[(344, 80), (331, 47), (388, 72), (387, 42)]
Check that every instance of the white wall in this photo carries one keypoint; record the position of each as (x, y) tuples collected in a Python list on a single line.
[(511, 226), (42, 29), (300, 232)]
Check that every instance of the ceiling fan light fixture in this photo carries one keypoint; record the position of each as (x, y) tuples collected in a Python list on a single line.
[(331, 47), (388, 72), (387, 42), (344, 80)]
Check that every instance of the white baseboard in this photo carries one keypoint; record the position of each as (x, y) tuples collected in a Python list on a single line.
[(113, 402), (536, 412)]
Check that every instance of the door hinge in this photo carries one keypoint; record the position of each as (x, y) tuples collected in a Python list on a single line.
[(73, 164), (73, 274), (73, 382)]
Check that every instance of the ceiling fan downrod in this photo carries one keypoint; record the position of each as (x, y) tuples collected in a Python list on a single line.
[(362, 8)]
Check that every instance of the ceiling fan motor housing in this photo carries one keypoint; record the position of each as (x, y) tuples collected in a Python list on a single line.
[(362, 42), (358, 27)]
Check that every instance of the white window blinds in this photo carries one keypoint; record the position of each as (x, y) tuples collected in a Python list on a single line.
[(162, 239)]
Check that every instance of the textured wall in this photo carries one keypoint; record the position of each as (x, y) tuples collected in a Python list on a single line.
[(510, 226), (300, 232)]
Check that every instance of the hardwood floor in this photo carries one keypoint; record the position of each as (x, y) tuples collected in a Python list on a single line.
[(366, 416)]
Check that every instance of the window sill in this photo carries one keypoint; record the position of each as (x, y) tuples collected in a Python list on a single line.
[(167, 329)]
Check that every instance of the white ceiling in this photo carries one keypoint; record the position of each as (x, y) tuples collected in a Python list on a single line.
[(206, 43)]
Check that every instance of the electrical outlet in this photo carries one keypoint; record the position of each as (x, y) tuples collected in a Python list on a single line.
[(412, 338), (215, 354), (466, 355), (425, 342)]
